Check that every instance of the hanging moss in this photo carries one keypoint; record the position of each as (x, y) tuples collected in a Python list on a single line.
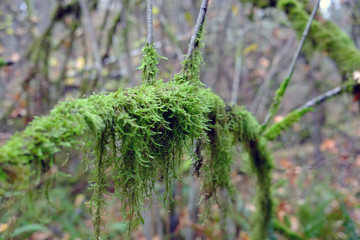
[(262, 164), (217, 171), (139, 135), (247, 130)]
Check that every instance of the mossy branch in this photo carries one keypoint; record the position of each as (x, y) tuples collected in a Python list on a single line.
[(282, 89), (247, 131), (325, 37), (194, 42), (138, 135), (294, 116), (277, 128)]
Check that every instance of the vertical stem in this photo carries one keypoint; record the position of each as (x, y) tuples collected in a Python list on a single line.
[(199, 22), (149, 22), (282, 89)]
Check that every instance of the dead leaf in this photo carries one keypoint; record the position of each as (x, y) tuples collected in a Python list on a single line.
[(278, 118), (328, 145), (264, 62), (285, 163)]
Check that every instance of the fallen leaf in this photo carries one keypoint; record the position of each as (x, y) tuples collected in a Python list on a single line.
[(328, 145)]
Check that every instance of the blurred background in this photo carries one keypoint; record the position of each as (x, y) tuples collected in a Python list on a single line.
[(70, 49)]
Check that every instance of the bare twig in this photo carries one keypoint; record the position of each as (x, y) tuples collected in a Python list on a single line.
[(276, 103), (149, 22), (303, 37), (325, 96), (199, 22), (93, 41)]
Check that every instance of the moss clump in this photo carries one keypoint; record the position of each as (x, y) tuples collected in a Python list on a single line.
[(191, 66), (149, 63), (138, 136), (217, 170)]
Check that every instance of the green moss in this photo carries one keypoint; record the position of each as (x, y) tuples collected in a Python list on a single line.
[(262, 165), (138, 136), (134, 137), (276, 129), (325, 37), (191, 66), (149, 63), (217, 172), (247, 131)]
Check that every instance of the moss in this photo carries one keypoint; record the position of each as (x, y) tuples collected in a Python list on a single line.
[(190, 71), (149, 63), (247, 131), (138, 135), (134, 137), (262, 165), (276, 129), (325, 37), (217, 173)]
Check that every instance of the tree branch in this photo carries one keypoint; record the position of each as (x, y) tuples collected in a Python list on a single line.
[(199, 22), (282, 89), (325, 96), (149, 22)]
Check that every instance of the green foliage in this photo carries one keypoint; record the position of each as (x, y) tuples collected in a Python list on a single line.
[(262, 165), (2, 62), (138, 136), (284, 230), (276, 129), (326, 37), (243, 124), (191, 66), (149, 63), (279, 94), (217, 173), (247, 130), (349, 224)]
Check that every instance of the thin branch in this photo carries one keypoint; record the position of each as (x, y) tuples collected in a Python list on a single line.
[(149, 22), (325, 96), (303, 37), (282, 89), (93, 41), (199, 22)]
